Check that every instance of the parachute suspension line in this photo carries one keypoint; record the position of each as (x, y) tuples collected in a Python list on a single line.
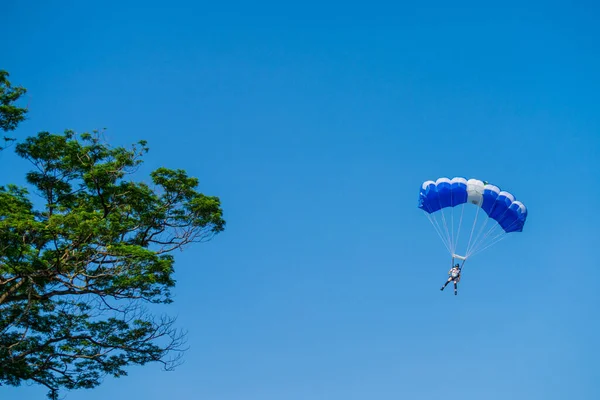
[(445, 226), (459, 225), (472, 229), (446, 231), (452, 223), (494, 239), (476, 240), (452, 230), (438, 230), (483, 241), (477, 244), (434, 223), (437, 227)]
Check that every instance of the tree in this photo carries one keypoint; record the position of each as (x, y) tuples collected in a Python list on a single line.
[(77, 275), (10, 115)]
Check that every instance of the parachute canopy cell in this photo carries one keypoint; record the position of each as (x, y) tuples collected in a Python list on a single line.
[(499, 205)]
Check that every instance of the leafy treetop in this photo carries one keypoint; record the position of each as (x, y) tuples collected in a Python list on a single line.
[(76, 272)]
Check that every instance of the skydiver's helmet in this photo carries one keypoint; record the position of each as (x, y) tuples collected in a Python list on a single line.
[(456, 266)]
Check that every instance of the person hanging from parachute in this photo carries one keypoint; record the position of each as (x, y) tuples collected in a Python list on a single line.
[(498, 211), (454, 276)]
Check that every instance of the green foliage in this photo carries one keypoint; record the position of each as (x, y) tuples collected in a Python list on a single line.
[(10, 115), (76, 273)]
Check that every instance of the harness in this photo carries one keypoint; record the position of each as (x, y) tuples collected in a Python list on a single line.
[(464, 260), (456, 256)]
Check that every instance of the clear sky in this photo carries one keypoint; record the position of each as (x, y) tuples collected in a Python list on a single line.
[(316, 123)]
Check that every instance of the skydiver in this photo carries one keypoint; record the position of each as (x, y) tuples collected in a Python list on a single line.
[(454, 276)]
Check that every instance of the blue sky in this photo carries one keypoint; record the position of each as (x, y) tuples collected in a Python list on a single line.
[(316, 123)]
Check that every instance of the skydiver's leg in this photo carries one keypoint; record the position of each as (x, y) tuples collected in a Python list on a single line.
[(455, 288), (446, 284)]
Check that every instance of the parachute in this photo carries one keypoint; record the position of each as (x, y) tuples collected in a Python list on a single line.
[(441, 199)]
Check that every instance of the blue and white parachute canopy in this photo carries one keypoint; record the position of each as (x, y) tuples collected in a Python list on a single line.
[(500, 206)]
